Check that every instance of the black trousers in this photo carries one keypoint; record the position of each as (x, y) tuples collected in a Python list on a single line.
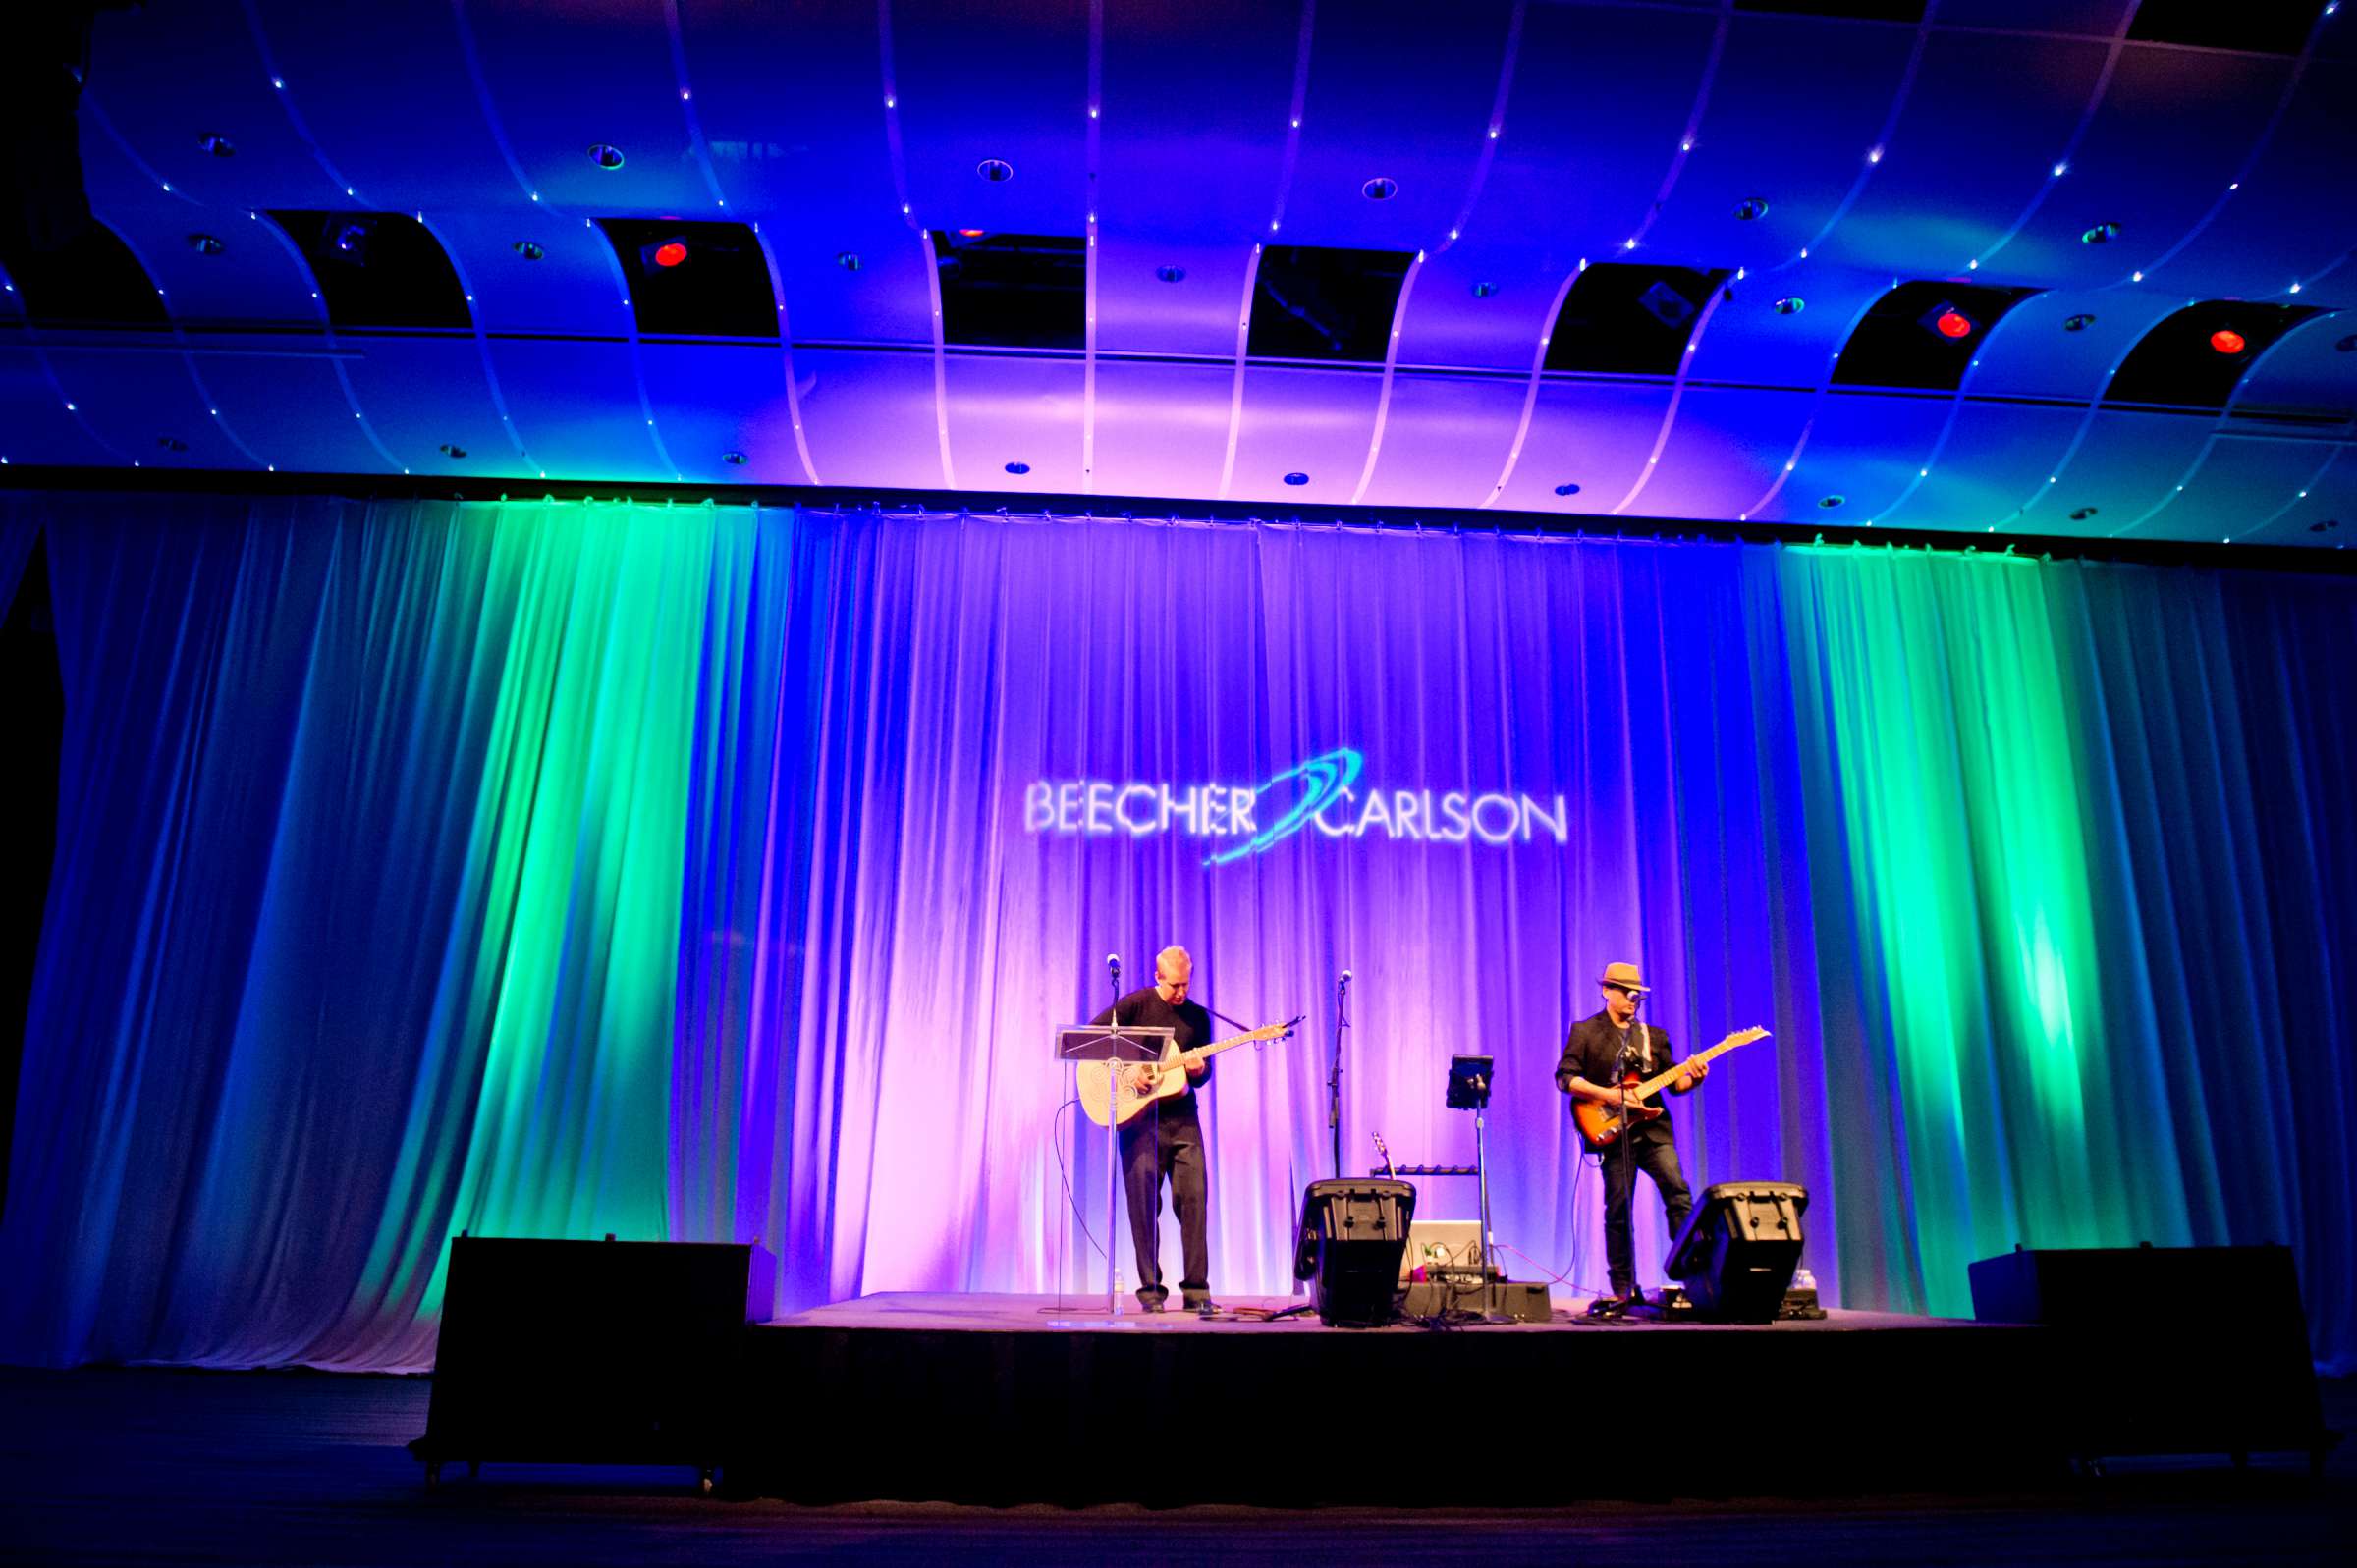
[(1647, 1148), (1166, 1143)]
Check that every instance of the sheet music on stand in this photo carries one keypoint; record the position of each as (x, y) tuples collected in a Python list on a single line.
[(1112, 1043)]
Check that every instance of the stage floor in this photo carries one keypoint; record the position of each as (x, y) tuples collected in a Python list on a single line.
[(947, 1310)]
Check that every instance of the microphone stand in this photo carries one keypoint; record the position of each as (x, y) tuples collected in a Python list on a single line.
[(1334, 1081), (1113, 1146), (1629, 1129)]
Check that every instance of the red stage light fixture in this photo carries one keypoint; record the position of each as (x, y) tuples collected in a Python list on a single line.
[(1953, 324), (2225, 340), (670, 254)]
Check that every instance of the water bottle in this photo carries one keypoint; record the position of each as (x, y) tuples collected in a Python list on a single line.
[(1119, 1285)]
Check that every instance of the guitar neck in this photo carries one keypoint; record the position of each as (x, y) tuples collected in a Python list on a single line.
[(1673, 1074), (1216, 1046)]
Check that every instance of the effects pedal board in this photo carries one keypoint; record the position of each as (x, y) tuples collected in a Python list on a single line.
[(1523, 1301)]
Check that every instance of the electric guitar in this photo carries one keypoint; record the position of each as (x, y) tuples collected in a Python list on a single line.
[(1600, 1124), (1113, 1092)]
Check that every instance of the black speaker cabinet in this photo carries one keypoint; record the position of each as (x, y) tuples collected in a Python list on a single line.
[(1353, 1232), (1738, 1249), (2168, 1349), (594, 1352)]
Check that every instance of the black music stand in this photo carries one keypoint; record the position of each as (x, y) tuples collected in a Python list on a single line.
[(1469, 1090), (1113, 1044)]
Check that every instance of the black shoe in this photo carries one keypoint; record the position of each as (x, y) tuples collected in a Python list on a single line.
[(1200, 1302), (1149, 1303)]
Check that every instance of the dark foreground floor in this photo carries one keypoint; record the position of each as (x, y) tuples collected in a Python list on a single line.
[(147, 1466)]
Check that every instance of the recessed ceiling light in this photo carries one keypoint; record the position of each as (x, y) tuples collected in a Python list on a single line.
[(1170, 274), (1831, 501), (605, 155), (848, 260), (2101, 234), (2225, 340), (1566, 488), (1483, 290), (2082, 514), (530, 251), (205, 244), (2078, 323), (1791, 305), (1380, 188), (998, 170), (219, 145), (451, 448), (171, 443), (734, 459), (2326, 526), (1753, 208), (2347, 345), (1019, 468), (1296, 478)]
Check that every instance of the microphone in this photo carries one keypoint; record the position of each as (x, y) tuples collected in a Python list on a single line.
[(1112, 964), (1345, 980)]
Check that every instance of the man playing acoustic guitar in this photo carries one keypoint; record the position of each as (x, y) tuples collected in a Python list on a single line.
[(1602, 1054), (1165, 1141)]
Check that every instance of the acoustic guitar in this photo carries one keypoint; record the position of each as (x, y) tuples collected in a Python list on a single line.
[(1601, 1125), (1119, 1090)]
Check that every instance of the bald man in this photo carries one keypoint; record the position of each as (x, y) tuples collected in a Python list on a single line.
[(1164, 1141)]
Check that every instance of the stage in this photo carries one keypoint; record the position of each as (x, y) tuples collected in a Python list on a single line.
[(1014, 1398)]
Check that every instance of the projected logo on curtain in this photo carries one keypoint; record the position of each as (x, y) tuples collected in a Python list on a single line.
[(1322, 793)]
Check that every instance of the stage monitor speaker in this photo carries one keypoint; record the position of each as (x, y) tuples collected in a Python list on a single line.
[(1353, 1232), (2127, 1315), (592, 1352), (1738, 1249)]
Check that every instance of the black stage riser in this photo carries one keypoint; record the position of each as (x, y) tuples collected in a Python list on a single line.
[(1462, 1416)]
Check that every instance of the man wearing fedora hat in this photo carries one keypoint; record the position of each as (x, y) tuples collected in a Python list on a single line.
[(1603, 1051)]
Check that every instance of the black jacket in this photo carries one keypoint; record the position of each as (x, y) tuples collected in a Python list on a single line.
[(1589, 1049)]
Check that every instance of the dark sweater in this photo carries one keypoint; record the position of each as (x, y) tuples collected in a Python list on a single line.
[(1194, 1024)]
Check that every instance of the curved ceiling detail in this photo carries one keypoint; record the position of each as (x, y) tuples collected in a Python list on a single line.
[(1154, 198)]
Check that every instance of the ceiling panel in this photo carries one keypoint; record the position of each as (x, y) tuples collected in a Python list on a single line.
[(1595, 435), (335, 59), (1314, 422), (2175, 126), (138, 414), (1445, 440), (2326, 516), (575, 406), (714, 399), (1007, 410), (969, 89), (2127, 464), (1972, 148), (1161, 429), (2295, 214), (1600, 95), (870, 417), (1399, 91), (167, 76), (1993, 457), (35, 426), (1868, 450), (1193, 136), (2240, 484), (417, 394), (562, 78), (291, 408), (1725, 449), (2031, 354), (1140, 312), (1829, 86)]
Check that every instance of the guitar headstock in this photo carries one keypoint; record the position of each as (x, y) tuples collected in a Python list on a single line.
[(1280, 1031), (1745, 1036)]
